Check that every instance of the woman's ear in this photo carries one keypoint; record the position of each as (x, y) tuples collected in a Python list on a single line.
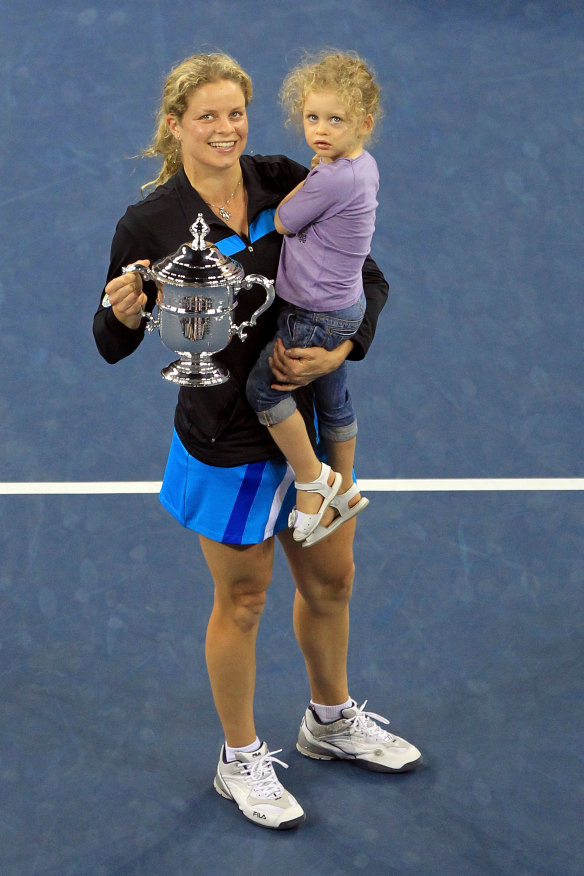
[(172, 123)]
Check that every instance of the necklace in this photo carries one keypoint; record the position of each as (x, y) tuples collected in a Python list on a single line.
[(225, 214)]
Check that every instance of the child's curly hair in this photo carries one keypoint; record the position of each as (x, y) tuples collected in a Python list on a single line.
[(344, 73)]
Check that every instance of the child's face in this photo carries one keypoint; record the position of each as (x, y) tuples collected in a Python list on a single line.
[(328, 128)]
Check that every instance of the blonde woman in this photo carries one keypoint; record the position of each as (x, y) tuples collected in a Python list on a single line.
[(225, 478)]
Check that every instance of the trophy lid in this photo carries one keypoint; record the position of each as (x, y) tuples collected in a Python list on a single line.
[(198, 263)]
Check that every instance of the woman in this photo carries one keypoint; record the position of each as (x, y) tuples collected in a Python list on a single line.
[(225, 478)]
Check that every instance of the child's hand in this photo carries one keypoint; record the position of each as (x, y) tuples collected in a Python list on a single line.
[(318, 159)]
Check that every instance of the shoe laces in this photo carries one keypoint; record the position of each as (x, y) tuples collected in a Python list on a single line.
[(263, 779), (364, 722)]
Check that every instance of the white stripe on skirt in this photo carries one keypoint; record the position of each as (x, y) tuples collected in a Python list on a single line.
[(277, 501)]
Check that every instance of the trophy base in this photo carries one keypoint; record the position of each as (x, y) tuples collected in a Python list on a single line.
[(194, 372)]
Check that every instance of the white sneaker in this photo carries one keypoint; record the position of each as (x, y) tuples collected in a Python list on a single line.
[(250, 781), (356, 737)]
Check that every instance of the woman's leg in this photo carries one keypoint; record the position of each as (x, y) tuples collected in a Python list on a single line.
[(242, 576), (324, 578), (324, 575)]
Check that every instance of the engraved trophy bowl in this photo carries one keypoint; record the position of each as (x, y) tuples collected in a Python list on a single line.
[(197, 294)]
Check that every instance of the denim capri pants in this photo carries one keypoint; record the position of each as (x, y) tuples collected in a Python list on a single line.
[(298, 327)]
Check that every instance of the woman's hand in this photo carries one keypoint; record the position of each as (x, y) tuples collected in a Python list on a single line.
[(127, 298), (299, 366)]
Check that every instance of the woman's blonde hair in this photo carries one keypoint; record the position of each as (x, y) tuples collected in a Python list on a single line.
[(183, 79), (343, 73)]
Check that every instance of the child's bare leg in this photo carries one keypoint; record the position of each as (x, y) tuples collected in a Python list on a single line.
[(292, 438), (341, 457)]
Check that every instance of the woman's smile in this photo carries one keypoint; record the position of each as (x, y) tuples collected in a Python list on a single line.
[(222, 145), (213, 129)]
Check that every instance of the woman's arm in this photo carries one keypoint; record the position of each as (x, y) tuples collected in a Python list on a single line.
[(118, 327), (376, 290)]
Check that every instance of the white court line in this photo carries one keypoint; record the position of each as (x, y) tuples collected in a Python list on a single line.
[(388, 485), (77, 488), (454, 485)]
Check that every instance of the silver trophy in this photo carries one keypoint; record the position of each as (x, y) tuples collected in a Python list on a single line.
[(197, 292)]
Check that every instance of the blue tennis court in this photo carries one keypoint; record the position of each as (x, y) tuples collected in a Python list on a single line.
[(467, 613)]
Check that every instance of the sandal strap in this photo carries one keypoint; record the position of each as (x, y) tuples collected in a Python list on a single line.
[(346, 512), (320, 485), (341, 500), (297, 519), (301, 522)]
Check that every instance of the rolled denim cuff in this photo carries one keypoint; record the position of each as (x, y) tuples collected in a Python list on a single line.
[(278, 413), (339, 433)]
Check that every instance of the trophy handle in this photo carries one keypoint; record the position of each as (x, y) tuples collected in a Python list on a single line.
[(153, 322), (247, 283)]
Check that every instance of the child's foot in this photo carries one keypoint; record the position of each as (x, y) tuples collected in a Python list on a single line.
[(331, 512), (314, 497), (311, 502), (343, 507)]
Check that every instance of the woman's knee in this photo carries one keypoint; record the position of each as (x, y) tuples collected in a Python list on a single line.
[(241, 599), (323, 573), (328, 588), (242, 576), (246, 607)]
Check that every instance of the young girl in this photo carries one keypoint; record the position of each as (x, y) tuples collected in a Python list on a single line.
[(328, 222)]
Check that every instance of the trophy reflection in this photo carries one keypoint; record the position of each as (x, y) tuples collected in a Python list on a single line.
[(198, 289)]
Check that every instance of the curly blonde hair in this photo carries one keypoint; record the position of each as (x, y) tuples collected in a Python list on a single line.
[(343, 73), (183, 79)]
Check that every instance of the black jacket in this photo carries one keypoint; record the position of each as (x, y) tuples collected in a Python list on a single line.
[(216, 424)]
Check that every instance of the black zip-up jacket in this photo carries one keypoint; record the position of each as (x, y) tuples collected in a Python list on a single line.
[(216, 424)]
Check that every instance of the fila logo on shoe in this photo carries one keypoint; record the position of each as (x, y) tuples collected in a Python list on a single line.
[(259, 815)]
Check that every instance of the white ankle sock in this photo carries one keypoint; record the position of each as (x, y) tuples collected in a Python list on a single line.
[(230, 752), (328, 714)]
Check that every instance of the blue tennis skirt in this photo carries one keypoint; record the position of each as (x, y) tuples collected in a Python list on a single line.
[(241, 504)]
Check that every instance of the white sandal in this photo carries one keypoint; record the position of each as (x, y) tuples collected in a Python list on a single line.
[(303, 524), (341, 504)]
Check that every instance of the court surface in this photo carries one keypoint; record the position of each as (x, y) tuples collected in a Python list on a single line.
[(467, 614)]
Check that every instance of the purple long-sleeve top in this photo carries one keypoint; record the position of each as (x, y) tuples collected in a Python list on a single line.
[(331, 220)]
